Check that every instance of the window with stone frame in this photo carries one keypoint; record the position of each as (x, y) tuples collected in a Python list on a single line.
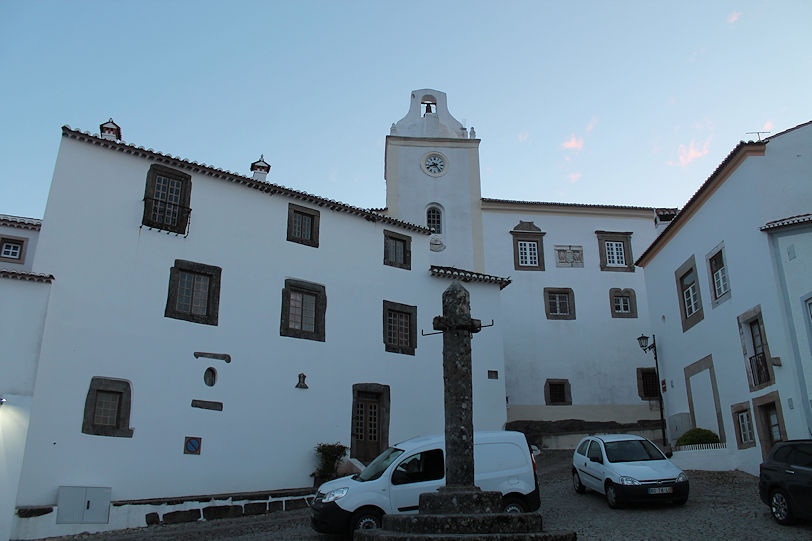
[(12, 249), (107, 408), (397, 250), (399, 327), (756, 349), (623, 303), (434, 219), (615, 251), (689, 296), (194, 292), (303, 225), (166, 199), (743, 425), (559, 303), (718, 276), (528, 247), (557, 392), (648, 388), (304, 306)]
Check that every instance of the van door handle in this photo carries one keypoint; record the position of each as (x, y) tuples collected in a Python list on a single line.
[(789, 471)]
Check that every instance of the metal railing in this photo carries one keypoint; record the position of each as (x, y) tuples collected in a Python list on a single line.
[(167, 216), (758, 367)]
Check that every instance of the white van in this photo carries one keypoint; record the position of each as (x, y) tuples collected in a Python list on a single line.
[(393, 482)]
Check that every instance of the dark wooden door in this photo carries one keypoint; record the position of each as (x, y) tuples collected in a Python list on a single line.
[(366, 426)]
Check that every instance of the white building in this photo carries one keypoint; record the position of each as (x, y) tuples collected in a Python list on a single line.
[(730, 297), (189, 351)]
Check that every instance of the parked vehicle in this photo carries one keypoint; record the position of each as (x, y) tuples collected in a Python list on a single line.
[(785, 481), (393, 482), (626, 468)]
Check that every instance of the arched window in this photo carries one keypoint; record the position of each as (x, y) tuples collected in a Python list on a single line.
[(434, 219)]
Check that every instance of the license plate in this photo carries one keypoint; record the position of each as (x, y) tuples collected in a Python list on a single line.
[(661, 490)]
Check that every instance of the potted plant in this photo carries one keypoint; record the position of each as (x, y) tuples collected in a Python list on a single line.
[(329, 455)]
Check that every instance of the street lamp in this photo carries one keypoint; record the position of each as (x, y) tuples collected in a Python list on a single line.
[(642, 341)]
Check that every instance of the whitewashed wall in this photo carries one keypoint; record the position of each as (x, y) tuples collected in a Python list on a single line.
[(598, 354), (106, 318), (761, 189)]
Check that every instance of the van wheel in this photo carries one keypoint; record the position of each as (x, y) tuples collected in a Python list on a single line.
[(366, 519), (513, 504)]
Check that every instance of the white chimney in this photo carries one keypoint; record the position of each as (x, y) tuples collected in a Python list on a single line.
[(260, 168)]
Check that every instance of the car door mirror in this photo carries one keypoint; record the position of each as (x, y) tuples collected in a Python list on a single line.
[(669, 453)]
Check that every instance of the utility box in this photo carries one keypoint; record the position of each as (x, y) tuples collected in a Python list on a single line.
[(83, 505)]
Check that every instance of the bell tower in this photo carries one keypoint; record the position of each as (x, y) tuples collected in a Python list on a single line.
[(432, 179)]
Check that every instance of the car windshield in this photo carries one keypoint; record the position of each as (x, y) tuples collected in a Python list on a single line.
[(632, 451), (379, 465)]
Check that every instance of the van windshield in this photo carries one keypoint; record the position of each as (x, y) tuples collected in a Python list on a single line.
[(632, 451), (379, 465)]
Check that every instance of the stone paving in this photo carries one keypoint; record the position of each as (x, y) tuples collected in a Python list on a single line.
[(722, 506)]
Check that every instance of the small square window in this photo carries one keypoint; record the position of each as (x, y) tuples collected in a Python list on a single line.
[(623, 303), (12, 249), (559, 303), (397, 250), (399, 327), (304, 305), (557, 392), (647, 385), (615, 251), (194, 292), (303, 225), (493, 374), (107, 408)]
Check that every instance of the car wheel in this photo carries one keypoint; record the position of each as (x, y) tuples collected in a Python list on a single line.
[(612, 497), (366, 519), (780, 507), (680, 501), (513, 504), (577, 484)]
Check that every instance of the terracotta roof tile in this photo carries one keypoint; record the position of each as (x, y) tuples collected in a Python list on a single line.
[(29, 276), (468, 276), (20, 222), (786, 222)]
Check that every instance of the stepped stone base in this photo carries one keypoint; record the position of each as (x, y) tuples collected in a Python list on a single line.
[(387, 535), (459, 501), (490, 523)]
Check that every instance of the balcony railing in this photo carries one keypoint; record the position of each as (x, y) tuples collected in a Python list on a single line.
[(758, 367), (167, 216)]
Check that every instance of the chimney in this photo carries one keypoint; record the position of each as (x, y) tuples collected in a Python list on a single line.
[(260, 168), (110, 130)]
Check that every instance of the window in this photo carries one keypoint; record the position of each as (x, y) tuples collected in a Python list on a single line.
[(559, 303), (303, 225), (595, 452), (425, 466), (615, 251), (769, 418), (721, 285), (194, 292), (166, 199), (434, 220), (107, 408), (12, 249), (758, 361), (648, 388), (557, 392), (528, 253), (397, 250), (399, 327), (690, 299), (569, 256), (623, 303), (743, 425), (304, 305)]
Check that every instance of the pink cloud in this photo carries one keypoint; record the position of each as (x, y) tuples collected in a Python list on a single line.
[(574, 177), (768, 126), (733, 17), (691, 153), (592, 124), (573, 143)]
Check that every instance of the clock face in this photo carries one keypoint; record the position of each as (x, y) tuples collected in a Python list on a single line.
[(434, 164)]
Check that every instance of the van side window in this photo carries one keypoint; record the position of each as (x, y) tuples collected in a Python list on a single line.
[(595, 451), (582, 447), (425, 466)]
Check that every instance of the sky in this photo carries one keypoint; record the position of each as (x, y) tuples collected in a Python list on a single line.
[(599, 102)]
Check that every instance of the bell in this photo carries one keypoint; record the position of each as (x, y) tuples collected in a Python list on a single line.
[(428, 108)]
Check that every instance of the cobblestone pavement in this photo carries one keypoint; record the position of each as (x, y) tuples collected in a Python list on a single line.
[(721, 506)]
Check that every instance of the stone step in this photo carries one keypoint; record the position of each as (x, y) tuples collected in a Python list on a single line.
[(467, 523), (388, 535)]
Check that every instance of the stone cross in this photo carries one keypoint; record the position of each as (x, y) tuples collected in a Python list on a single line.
[(457, 326)]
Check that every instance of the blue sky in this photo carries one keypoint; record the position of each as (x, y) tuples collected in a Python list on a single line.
[(589, 102)]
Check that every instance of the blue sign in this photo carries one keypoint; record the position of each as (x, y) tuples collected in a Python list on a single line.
[(192, 445)]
